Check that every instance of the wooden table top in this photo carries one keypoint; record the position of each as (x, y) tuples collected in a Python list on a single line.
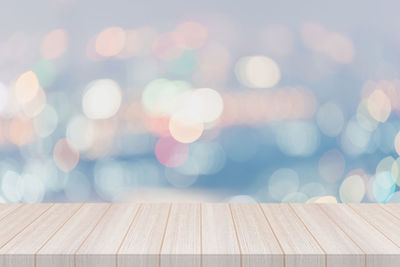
[(199, 235)]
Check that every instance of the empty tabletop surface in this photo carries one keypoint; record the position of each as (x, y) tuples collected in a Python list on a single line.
[(199, 235)]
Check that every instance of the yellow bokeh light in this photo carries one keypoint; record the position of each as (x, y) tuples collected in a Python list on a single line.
[(323, 199), (26, 87), (352, 189), (36, 105), (257, 72), (379, 106), (54, 44), (184, 128), (110, 41)]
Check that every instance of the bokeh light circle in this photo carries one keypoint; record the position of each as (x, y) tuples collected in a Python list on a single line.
[(295, 197), (32, 188), (160, 96), (11, 186), (282, 183), (211, 104), (54, 44), (331, 166), (202, 105), (36, 105), (170, 152), (77, 187), (330, 119), (379, 105), (397, 143), (80, 132), (355, 139), (46, 122), (179, 179), (352, 189), (169, 46), (257, 72), (184, 129), (109, 179), (26, 87), (383, 187), (323, 199), (298, 138), (110, 41), (102, 99), (65, 156)]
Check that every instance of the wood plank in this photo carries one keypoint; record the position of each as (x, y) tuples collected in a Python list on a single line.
[(20, 251), (6, 209), (199, 235), (219, 242), (380, 251), (141, 246), (17, 221), (182, 241), (340, 249), (299, 246), (382, 219), (102, 245), (61, 248), (259, 247)]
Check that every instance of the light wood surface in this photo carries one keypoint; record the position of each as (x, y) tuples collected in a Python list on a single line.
[(199, 235), (220, 246), (182, 240), (299, 246)]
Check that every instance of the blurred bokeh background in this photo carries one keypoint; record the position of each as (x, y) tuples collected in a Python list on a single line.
[(273, 101)]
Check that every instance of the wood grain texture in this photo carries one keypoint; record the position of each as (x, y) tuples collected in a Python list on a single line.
[(182, 241), (21, 250), (219, 241), (61, 249), (384, 218), (142, 244), (299, 246), (339, 248), (377, 247), (199, 235), (102, 245), (15, 222), (259, 246), (6, 209)]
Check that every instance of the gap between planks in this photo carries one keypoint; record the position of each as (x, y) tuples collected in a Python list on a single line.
[(257, 234)]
